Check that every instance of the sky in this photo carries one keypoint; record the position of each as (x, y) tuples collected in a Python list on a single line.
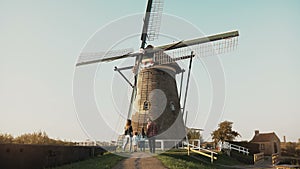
[(41, 40)]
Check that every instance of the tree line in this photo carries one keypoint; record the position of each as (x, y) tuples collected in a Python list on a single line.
[(32, 138)]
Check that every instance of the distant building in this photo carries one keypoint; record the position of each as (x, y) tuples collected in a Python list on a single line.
[(269, 143)]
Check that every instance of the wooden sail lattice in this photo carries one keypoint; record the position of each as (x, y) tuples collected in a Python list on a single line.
[(95, 57), (155, 20), (200, 50)]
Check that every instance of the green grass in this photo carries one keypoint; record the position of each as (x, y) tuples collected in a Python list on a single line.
[(178, 159), (247, 159), (108, 160), (223, 159), (173, 159)]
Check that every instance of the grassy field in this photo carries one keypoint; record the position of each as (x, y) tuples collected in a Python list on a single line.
[(173, 159), (178, 159), (106, 161)]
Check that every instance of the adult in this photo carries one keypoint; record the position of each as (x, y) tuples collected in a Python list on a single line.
[(128, 135), (151, 133)]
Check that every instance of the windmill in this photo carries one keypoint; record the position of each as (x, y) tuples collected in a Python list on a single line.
[(154, 88)]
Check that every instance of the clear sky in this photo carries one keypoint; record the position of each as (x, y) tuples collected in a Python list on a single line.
[(40, 42)]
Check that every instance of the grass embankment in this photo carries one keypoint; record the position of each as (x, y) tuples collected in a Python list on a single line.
[(178, 159), (173, 159), (106, 161)]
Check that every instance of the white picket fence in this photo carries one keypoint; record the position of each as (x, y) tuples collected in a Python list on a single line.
[(240, 149)]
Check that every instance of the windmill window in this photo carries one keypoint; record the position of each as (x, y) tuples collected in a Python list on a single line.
[(172, 106), (146, 105)]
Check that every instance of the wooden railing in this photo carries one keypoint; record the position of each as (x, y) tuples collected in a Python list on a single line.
[(275, 158), (197, 149), (258, 157)]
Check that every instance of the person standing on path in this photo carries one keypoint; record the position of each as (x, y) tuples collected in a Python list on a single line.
[(151, 133), (128, 135), (135, 140), (142, 139)]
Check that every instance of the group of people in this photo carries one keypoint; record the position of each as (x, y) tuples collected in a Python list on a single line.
[(138, 139)]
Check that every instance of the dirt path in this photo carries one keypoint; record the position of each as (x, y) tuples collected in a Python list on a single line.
[(140, 160)]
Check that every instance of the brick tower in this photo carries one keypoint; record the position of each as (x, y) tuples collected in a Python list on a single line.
[(157, 98)]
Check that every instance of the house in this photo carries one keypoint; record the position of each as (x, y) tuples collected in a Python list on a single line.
[(269, 143)]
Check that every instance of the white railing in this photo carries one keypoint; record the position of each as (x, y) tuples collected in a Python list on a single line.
[(197, 149), (240, 149), (162, 146), (195, 142), (162, 142)]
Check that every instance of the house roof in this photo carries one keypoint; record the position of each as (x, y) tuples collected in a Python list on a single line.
[(263, 137)]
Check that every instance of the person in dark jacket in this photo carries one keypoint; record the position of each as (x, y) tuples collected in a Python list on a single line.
[(128, 135), (151, 133)]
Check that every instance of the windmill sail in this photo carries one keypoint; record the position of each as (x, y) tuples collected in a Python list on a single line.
[(94, 57), (211, 38), (155, 20), (202, 47), (152, 21)]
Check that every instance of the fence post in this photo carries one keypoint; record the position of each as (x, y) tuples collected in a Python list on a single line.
[(188, 148)]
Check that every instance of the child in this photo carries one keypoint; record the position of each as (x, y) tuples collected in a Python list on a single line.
[(135, 141), (142, 140)]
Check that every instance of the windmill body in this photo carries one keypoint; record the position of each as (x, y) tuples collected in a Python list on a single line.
[(157, 98)]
